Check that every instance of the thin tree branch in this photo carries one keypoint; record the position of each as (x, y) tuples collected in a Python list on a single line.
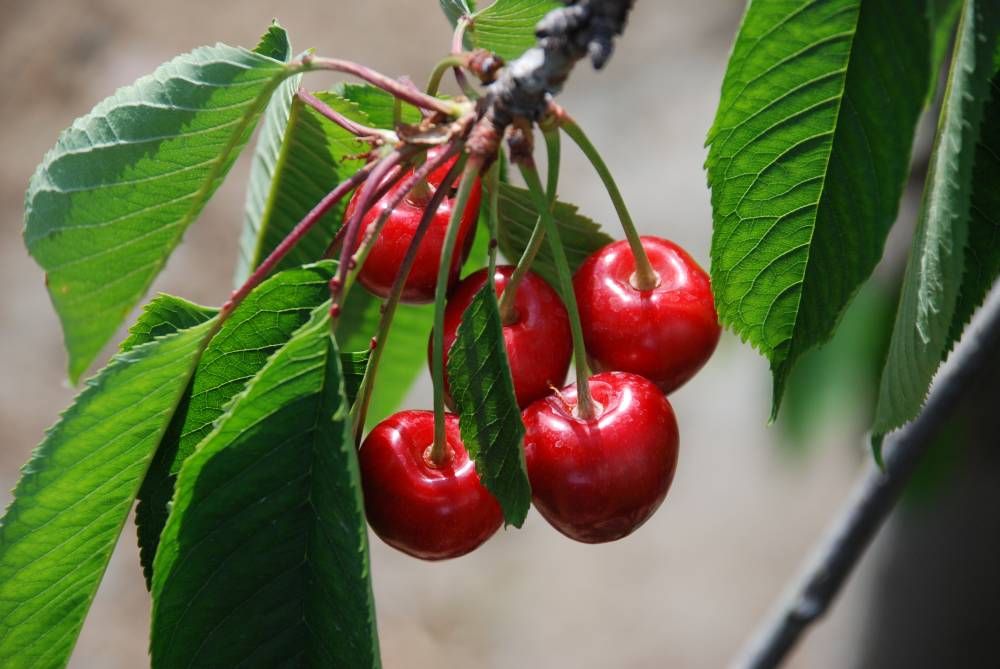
[(870, 503)]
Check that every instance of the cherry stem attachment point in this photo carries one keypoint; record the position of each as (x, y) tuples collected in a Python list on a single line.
[(469, 173), (360, 410), (585, 405), (645, 276), (388, 84), (508, 314), (357, 129), (298, 232)]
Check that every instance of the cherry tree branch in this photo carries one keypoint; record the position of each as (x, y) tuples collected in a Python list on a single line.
[(869, 505), (525, 86)]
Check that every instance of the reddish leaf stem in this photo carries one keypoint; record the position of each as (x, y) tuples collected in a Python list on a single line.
[(297, 233), (347, 124), (397, 89)]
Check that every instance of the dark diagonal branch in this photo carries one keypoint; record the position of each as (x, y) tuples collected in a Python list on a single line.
[(869, 505)]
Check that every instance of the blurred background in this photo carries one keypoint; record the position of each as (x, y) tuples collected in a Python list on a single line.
[(748, 500)]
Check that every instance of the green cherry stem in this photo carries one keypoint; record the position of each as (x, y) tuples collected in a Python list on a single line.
[(553, 150), (469, 172), (645, 276), (445, 64), (585, 405), (360, 410)]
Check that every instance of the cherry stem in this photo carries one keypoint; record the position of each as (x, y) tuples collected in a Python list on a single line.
[(455, 60), (338, 237), (298, 232), (469, 173), (406, 188), (645, 276), (508, 314), (365, 200), (360, 410), (585, 405), (457, 46), (347, 124), (493, 215), (388, 84)]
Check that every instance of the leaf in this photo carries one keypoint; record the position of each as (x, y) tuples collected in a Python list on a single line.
[(809, 156), (266, 159), (275, 43), (111, 201), (313, 159), (581, 236), (934, 271), (354, 366), (982, 250), (507, 27), (76, 491), (483, 392), (376, 104), (942, 16), (264, 560), (453, 9), (256, 329), (405, 354)]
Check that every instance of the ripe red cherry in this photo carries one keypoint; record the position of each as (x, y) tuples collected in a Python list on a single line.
[(539, 344), (429, 511), (665, 334), (382, 263), (598, 480)]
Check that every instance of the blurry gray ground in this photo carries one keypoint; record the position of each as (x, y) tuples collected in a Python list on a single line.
[(688, 587)]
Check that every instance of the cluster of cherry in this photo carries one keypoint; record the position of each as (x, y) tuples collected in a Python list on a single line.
[(597, 472)]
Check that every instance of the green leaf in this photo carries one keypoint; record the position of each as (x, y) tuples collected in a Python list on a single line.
[(405, 354), (266, 160), (489, 418), (581, 236), (76, 491), (376, 104), (311, 161), (264, 560), (275, 43), (255, 330), (507, 27), (982, 250), (942, 16), (453, 9), (111, 201), (809, 156), (935, 268), (354, 366)]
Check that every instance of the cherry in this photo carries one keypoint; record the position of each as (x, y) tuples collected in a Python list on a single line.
[(598, 480), (666, 333), (426, 510), (538, 340), (386, 255)]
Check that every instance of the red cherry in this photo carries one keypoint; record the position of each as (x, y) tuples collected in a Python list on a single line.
[(598, 480), (665, 334), (429, 511), (382, 263), (539, 344)]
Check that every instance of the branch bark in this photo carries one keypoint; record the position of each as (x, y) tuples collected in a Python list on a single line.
[(870, 503), (525, 86)]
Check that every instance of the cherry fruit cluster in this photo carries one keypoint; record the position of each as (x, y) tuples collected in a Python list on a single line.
[(596, 475)]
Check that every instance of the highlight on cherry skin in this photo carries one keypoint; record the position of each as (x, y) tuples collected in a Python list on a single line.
[(665, 333), (597, 480), (383, 261), (538, 340), (428, 510)]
